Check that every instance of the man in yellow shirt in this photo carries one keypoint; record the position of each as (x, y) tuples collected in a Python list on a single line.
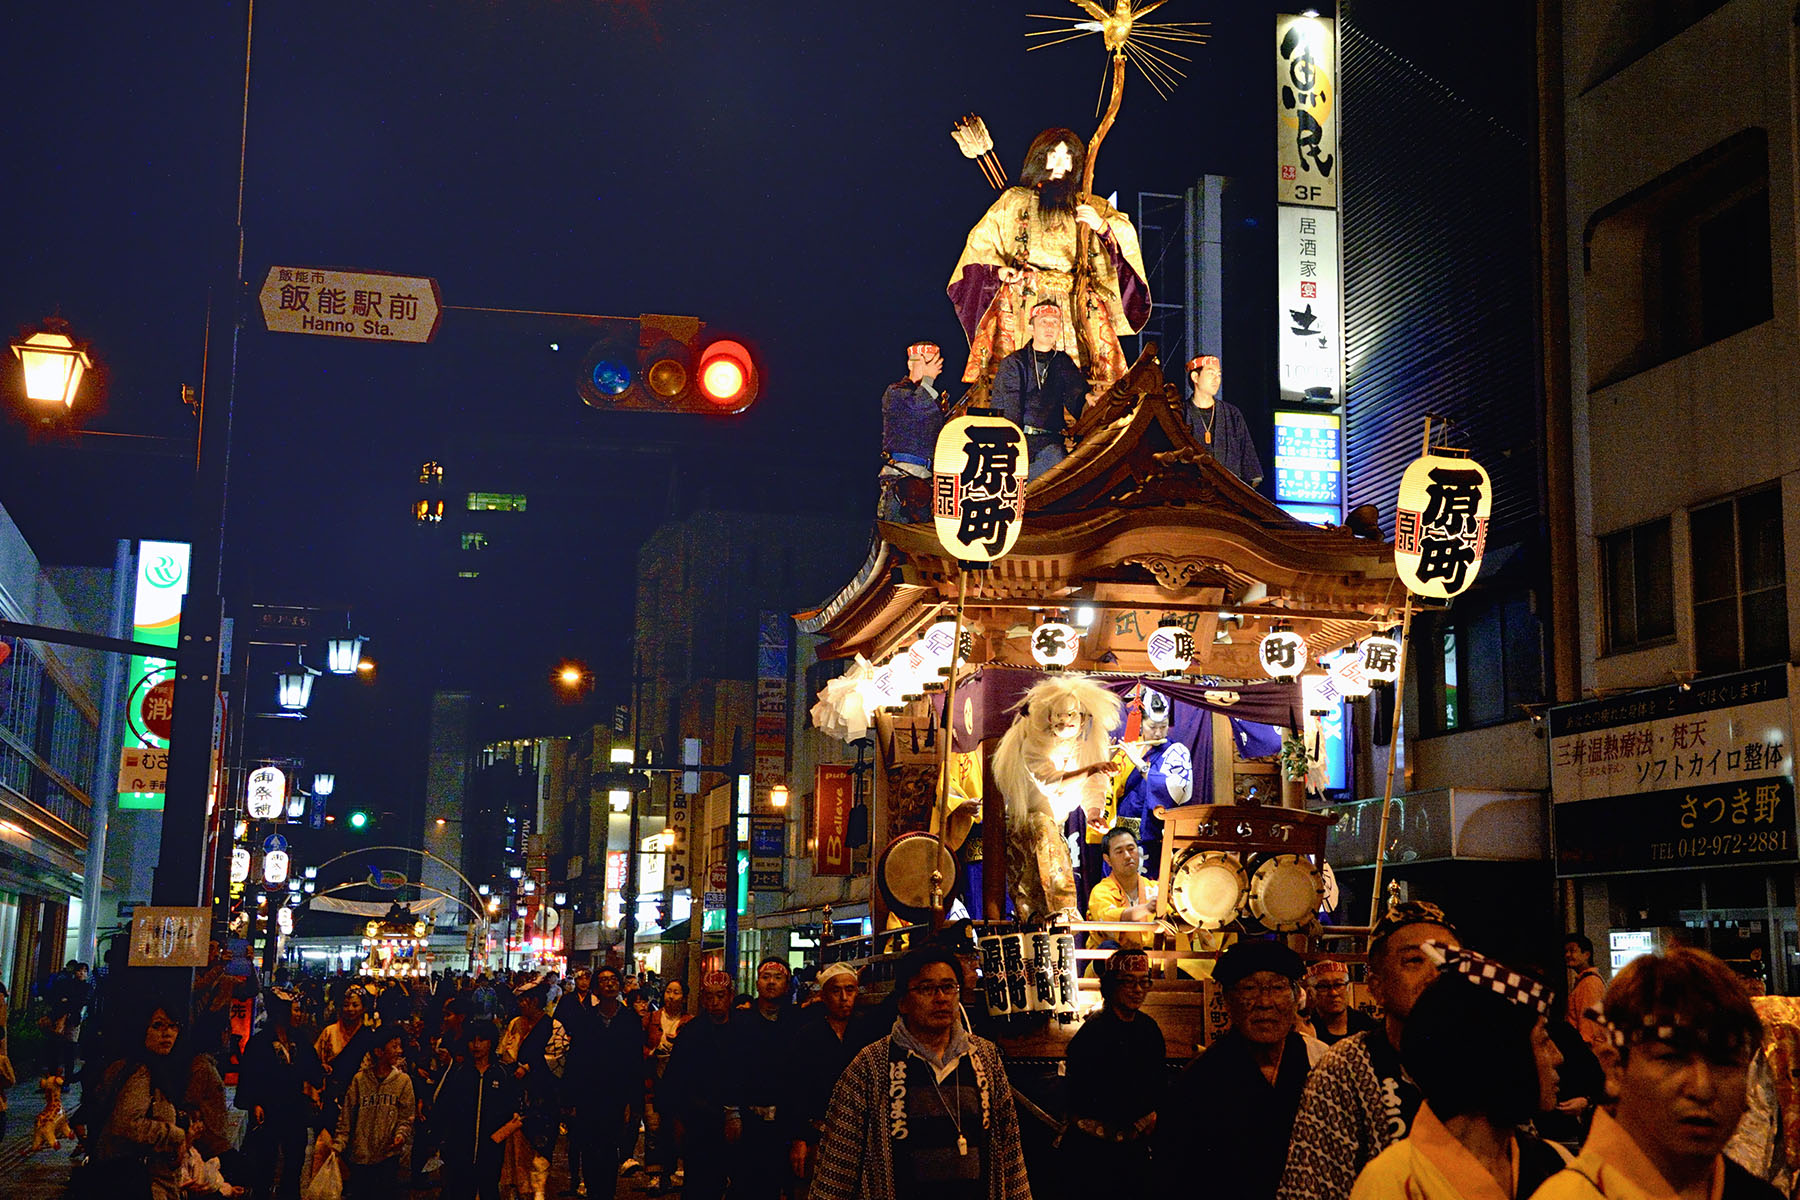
[(1124, 895)]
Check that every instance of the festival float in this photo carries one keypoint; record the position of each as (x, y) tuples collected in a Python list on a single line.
[(1105, 626)]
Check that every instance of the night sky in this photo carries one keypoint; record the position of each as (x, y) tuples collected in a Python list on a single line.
[(782, 171)]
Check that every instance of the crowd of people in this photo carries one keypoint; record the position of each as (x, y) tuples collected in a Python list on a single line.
[(1477, 1081)]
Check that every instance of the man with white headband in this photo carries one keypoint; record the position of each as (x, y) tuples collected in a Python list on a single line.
[(823, 1047)]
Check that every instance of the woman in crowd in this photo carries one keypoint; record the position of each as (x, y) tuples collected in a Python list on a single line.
[(341, 1047), (1477, 1046), (661, 1027), (141, 1133)]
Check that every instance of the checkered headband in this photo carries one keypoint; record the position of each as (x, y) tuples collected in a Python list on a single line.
[(1483, 971), (921, 350)]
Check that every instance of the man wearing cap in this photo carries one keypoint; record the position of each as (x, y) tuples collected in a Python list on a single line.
[(1039, 387), (823, 1046), (912, 414), (1333, 1019), (1233, 1107), (1685, 1031), (535, 1046), (1116, 1074), (695, 1087), (761, 1043), (1217, 424), (1359, 1100)]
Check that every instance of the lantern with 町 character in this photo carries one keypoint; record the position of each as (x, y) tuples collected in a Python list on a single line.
[(978, 487)]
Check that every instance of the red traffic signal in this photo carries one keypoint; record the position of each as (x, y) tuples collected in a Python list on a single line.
[(661, 363)]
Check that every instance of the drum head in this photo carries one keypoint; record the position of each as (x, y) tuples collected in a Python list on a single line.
[(1207, 889), (904, 869), (1286, 891)]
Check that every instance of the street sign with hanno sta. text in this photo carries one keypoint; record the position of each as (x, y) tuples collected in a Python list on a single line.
[(371, 306)]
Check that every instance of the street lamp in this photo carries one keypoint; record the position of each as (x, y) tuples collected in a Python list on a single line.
[(483, 889), (53, 364), (515, 872), (562, 899), (343, 655), (325, 784), (778, 796), (294, 688)]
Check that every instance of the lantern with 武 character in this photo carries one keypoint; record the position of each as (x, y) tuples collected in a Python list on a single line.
[(1380, 659), (1440, 524), (1055, 644), (265, 793), (1170, 646), (1283, 653), (978, 487)]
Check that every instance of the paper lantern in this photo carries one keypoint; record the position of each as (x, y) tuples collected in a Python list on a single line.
[(1170, 646), (978, 487), (1055, 644), (275, 866), (1283, 654), (1348, 675), (1381, 659), (284, 920), (265, 793), (1440, 525), (240, 864)]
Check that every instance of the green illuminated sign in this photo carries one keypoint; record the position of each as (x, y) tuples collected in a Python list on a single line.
[(162, 581)]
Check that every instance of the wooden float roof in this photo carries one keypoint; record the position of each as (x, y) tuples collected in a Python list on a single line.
[(1139, 518)]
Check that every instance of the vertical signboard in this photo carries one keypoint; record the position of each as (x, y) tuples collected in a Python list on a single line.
[(1306, 124), (1307, 304), (1676, 777), (832, 797), (1309, 455), (771, 709), (768, 854), (162, 580)]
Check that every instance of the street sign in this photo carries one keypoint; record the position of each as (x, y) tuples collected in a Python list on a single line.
[(714, 900), (169, 937), (371, 306), (273, 843), (715, 877), (144, 771)]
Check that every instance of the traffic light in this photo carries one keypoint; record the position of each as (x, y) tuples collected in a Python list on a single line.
[(359, 820), (666, 364)]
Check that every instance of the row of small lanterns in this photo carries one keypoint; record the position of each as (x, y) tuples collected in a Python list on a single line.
[(923, 666)]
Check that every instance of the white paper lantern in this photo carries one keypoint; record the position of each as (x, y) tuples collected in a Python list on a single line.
[(284, 920), (240, 864), (1283, 654), (1348, 675), (1170, 646), (1381, 659), (275, 866), (937, 645), (1055, 644), (265, 793), (1440, 525), (978, 469)]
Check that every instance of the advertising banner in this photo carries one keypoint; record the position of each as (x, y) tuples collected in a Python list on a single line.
[(1306, 107), (1308, 304), (162, 581), (833, 795), (768, 854), (1696, 775)]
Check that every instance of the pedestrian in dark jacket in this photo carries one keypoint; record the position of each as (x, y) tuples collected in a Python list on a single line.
[(700, 1076), (278, 1085), (475, 1110), (762, 1038), (606, 1073)]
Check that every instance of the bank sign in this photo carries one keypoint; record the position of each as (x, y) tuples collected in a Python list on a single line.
[(162, 581), (1676, 777)]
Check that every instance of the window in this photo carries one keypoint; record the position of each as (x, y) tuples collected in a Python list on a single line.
[(1638, 582), (431, 472), (1740, 583), (1682, 262), (1479, 662), (496, 501), (474, 541), (428, 512), (468, 574)]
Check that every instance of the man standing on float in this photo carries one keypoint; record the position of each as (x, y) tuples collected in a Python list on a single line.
[(1023, 251)]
